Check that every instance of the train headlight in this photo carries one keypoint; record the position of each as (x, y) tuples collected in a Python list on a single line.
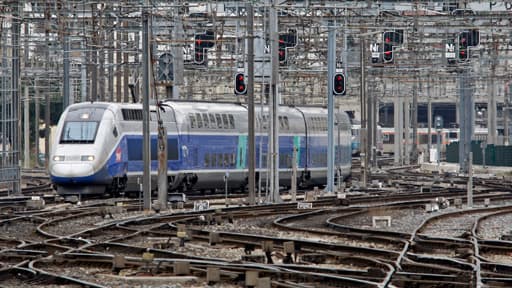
[(58, 158), (87, 158)]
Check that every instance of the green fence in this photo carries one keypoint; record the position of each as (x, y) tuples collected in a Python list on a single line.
[(494, 155)]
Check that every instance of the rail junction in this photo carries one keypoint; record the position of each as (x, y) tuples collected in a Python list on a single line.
[(411, 230)]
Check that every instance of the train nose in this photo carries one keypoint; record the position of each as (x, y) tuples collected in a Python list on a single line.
[(72, 170)]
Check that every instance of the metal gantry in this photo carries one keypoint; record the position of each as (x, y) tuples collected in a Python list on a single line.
[(77, 50)]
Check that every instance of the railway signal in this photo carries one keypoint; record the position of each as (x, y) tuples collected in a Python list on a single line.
[(388, 47), (391, 39), (339, 84), (467, 39), (463, 46), (202, 42), (240, 85), (288, 40)]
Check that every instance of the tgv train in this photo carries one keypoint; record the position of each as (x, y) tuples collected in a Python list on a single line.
[(447, 136), (356, 140), (98, 146)]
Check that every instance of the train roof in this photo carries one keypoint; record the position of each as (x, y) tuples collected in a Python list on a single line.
[(111, 105)]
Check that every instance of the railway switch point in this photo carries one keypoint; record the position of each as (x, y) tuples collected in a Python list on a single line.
[(254, 258), (458, 203), (251, 278), (73, 199), (376, 184), (316, 258), (304, 205), (118, 263), (181, 227), (212, 275), (209, 219), (431, 207), (181, 268), (156, 206), (264, 282), (310, 196), (214, 238), (289, 249), (36, 203), (182, 235), (377, 219), (148, 257), (267, 246)]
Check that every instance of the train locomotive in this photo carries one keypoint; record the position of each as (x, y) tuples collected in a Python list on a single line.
[(98, 146)]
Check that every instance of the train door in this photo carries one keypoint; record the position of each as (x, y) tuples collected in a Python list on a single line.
[(241, 152)]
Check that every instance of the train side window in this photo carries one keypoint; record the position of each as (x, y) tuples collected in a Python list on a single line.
[(153, 116), (227, 161), (213, 125), (233, 159), (434, 139), (423, 138), (225, 122), (114, 131), (207, 160), (219, 160), (172, 149), (219, 121), (286, 123), (192, 120), (199, 120), (206, 122), (231, 121)]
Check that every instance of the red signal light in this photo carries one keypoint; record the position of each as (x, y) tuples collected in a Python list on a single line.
[(339, 84), (240, 86)]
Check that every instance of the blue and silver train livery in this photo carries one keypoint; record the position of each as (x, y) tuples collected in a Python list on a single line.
[(98, 146)]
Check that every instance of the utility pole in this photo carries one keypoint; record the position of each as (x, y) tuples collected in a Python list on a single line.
[(491, 104), (465, 119), (506, 114), (26, 105), (177, 50), (94, 56), (146, 152), (16, 135), (415, 88), (65, 89), (331, 66), (47, 93), (429, 119), (363, 132), (250, 95), (399, 124), (36, 121), (274, 106), (26, 130)]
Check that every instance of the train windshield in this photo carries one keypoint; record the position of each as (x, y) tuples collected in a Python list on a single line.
[(81, 125), (79, 132)]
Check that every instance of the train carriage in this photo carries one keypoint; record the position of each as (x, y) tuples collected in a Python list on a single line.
[(99, 146)]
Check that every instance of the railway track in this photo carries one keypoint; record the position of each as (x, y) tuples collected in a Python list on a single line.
[(112, 243)]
